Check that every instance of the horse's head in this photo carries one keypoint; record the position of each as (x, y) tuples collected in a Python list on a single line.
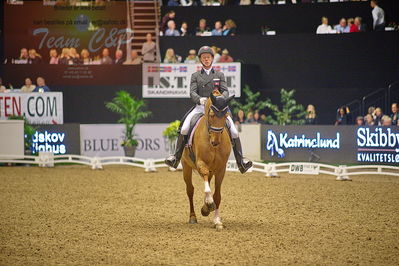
[(216, 112)]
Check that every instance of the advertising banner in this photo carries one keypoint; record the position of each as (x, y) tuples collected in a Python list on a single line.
[(58, 139), (103, 140), (69, 43), (38, 108), (330, 144), (173, 80)]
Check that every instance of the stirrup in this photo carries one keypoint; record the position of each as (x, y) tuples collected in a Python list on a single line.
[(244, 166), (172, 161)]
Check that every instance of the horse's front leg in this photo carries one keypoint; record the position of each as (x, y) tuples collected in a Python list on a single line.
[(209, 205), (218, 197)]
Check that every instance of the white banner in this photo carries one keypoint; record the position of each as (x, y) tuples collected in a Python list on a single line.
[(38, 108), (173, 80), (103, 140)]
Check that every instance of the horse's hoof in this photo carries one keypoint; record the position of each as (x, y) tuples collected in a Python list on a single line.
[(219, 227), (211, 207), (193, 220), (204, 210)]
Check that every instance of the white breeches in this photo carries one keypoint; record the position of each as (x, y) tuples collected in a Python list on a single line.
[(199, 109)]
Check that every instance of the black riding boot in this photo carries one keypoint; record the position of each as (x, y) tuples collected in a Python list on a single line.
[(243, 165), (173, 160)]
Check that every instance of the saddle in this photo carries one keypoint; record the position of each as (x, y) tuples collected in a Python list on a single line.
[(193, 126)]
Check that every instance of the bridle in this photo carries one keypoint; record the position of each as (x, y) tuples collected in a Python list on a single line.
[(219, 113)]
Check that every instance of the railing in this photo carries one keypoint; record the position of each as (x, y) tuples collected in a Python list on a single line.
[(382, 97), (341, 172), (377, 98), (393, 92)]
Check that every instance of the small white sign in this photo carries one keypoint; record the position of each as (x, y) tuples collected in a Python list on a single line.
[(306, 169)]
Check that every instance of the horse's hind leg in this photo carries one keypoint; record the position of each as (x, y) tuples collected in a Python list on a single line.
[(187, 174)]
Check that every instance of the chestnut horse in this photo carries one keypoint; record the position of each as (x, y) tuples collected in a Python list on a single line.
[(211, 147)]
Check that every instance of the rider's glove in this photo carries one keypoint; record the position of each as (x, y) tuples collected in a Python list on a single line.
[(203, 100)]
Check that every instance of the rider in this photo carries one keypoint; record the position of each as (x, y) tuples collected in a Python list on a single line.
[(201, 86)]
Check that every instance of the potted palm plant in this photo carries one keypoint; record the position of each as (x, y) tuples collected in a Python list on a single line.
[(170, 134), (131, 111)]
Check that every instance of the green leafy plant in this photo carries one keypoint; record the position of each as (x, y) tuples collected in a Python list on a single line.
[(131, 111), (251, 102), (171, 131), (291, 112), (29, 131)]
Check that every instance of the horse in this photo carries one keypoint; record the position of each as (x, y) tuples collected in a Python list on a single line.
[(211, 147)]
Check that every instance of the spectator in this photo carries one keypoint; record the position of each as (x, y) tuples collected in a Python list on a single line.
[(225, 58), (85, 57), (217, 31), (350, 21), (201, 27), (342, 27), (378, 16), (310, 118), (395, 114), (105, 59), (74, 56), (2, 88), (360, 121), (192, 57), (216, 52), (171, 31), (250, 118), (378, 115), (240, 117), (34, 58), (263, 119), (324, 28), (184, 29), (118, 57), (173, 3), (261, 2), (41, 85), (343, 117), (371, 111), (53, 57), (369, 120), (169, 16), (28, 87), (24, 54), (257, 119), (359, 24), (135, 59), (229, 28), (148, 49), (245, 2), (386, 121), (65, 59), (170, 57)]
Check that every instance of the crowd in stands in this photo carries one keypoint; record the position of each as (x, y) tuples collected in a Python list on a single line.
[(27, 87), (169, 28), (71, 56), (374, 117), (219, 56), (246, 2), (351, 25)]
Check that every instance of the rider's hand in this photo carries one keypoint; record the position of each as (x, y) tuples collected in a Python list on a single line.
[(203, 100)]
